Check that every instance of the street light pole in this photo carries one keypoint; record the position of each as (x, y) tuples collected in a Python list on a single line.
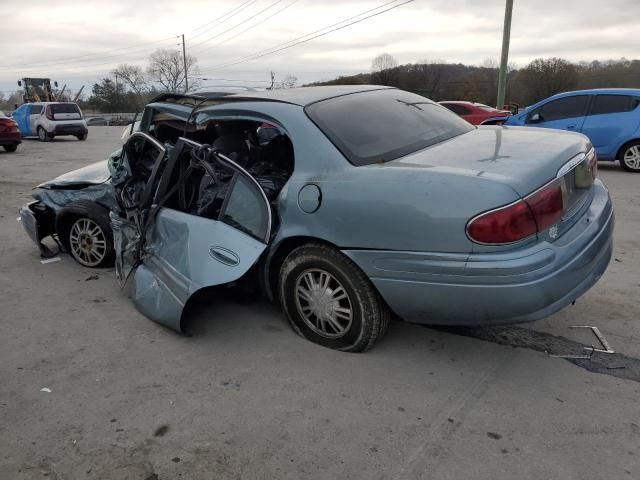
[(184, 59), (504, 58)]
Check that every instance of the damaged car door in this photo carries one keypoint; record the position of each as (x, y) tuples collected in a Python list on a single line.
[(208, 224)]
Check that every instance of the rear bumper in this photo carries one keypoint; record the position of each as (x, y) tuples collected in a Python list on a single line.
[(12, 138), (69, 130), (499, 288)]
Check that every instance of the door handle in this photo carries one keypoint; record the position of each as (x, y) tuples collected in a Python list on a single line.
[(571, 126), (224, 255)]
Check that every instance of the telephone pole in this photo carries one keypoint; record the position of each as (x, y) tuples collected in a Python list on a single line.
[(184, 59), (504, 58)]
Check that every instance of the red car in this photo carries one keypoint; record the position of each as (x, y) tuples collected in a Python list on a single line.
[(9, 133), (477, 113)]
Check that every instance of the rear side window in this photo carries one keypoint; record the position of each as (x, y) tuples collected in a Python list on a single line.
[(246, 210), (567, 107), (34, 109), (457, 109), (382, 125), (64, 108), (613, 104)]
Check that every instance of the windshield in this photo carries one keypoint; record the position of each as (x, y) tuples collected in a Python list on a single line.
[(382, 125)]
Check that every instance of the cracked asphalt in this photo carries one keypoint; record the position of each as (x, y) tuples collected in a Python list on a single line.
[(89, 388)]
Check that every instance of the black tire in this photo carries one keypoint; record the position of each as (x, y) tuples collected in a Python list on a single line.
[(629, 149), (11, 148), (43, 136), (369, 314), (82, 137), (95, 214)]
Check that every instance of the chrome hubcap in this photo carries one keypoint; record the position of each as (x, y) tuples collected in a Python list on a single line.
[(88, 242), (323, 303), (632, 157)]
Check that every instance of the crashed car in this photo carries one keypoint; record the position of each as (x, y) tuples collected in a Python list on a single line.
[(358, 202)]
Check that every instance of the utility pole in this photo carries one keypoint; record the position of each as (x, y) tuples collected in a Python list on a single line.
[(273, 77), (184, 59), (504, 58)]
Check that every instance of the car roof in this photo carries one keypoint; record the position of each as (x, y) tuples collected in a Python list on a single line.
[(302, 96), (590, 91)]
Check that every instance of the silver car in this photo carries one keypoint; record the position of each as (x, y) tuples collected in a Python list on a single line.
[(348, 204)]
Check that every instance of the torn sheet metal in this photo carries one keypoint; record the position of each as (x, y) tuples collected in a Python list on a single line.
[(171, 254), (57, 199), (184, 254)]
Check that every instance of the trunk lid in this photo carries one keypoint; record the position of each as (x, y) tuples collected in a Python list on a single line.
[(523, 158)]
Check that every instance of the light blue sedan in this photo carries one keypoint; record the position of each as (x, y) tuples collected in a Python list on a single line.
[(610, 117), (348, 204)]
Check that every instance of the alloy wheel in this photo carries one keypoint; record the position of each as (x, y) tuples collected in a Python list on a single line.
[(323, 303), (631, 157), (88, 242)]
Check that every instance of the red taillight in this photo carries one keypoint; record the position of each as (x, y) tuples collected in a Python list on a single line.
[(8, 125), (547, 204), (48, 112), (522, 219), (505, 225)]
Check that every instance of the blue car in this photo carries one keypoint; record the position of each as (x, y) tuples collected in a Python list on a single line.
[(610, 117), (346, 204)]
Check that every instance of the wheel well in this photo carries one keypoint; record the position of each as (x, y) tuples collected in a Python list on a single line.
[(70, 213), (276, 259), (621, 149)]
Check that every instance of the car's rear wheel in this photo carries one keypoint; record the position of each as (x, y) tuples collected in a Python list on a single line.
[(11, 148), (85, 231), (43, 136), (630, 157), (330, 301)]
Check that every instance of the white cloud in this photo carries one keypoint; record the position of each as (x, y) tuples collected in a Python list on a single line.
[(43, 40)]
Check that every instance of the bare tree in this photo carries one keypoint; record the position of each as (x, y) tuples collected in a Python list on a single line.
[(166, 67), (383, 62), (289, 81), (544, 77), (133, 77)]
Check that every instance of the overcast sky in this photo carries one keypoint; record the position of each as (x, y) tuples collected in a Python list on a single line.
[(44, 38)]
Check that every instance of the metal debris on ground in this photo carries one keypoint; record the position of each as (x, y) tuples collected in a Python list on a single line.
[(606, 347), (45, 389), (50, 260)]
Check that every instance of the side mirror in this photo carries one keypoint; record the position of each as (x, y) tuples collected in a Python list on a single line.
[(535, 118), (56, 84), (19, 83)]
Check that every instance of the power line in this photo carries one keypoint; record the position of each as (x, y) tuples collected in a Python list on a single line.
[(238, 24), (81, 57), (254, 25), (231, 13), (324, 28), (302, 39)]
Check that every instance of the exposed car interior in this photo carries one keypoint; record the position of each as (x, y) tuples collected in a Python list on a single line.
[(260, 148)]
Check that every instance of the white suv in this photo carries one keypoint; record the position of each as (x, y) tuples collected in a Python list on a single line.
[(47, 120)]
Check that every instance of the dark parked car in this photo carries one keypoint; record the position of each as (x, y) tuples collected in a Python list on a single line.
[(10, 136)]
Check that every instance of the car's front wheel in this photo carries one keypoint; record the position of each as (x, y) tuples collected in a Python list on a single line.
[(330, 301), (630, 157), (82, 137), (85, 231), (11, 148)]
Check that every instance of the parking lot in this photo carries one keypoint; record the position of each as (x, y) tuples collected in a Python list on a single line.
[(244, 397)]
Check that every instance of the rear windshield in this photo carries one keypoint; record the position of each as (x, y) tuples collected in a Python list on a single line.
[(382, 125), (64, 108)]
